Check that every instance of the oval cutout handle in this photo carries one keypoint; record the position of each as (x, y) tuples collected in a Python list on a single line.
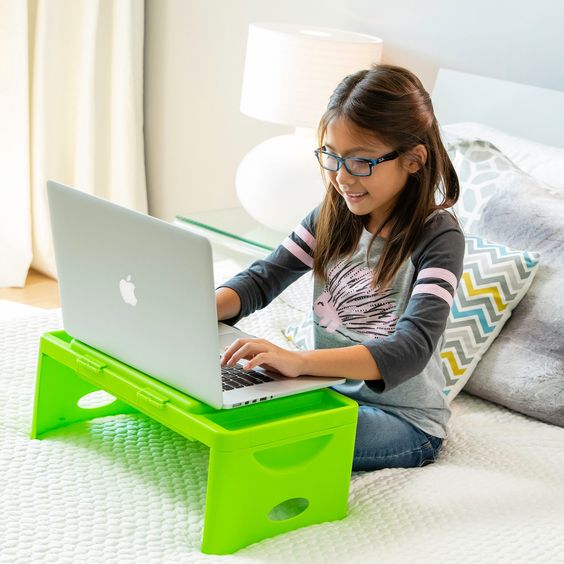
[(288, 509)]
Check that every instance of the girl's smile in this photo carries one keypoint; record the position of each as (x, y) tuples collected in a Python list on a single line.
[(354, 197)]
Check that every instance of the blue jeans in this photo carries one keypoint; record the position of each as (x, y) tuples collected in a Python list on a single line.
[(384, 440)]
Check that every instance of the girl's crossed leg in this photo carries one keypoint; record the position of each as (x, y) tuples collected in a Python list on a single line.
[(384, 440)]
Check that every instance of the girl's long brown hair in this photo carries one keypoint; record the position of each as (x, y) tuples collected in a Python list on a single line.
[(390, 103)]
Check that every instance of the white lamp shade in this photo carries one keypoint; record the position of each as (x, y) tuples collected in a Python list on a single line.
[(291, 70)]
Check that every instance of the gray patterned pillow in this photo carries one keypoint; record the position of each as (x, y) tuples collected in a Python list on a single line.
[(524, 368), (480, 167)]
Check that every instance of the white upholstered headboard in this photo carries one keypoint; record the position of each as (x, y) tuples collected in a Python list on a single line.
[(518, 109)]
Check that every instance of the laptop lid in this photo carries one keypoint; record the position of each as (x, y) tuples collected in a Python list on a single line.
[(128, 289)]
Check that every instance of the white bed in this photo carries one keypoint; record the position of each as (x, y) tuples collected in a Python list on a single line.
[(125, 489)]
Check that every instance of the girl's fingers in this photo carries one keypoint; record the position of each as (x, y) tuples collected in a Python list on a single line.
[(257, 360), (247, 351), (232, 349)]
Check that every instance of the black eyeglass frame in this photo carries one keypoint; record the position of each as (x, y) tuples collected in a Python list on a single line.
[(343, 161)]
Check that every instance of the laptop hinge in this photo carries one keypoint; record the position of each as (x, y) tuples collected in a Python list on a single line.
[(152, 398), (87, 366)]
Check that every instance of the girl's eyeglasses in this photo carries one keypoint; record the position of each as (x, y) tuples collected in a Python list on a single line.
[(355, 166)]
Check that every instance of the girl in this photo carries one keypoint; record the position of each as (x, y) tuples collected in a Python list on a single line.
[(386, 257)]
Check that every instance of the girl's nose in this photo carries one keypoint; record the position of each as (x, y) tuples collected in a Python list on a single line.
[(343, 177)]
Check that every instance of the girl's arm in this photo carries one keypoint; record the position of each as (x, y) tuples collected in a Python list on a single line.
[(354, 362), (438, 262), (228, 303), (265, 279)]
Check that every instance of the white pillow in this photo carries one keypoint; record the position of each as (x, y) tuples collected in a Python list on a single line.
[(543, 162)]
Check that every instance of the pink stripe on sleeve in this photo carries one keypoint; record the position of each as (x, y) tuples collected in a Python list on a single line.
[(434, 290), (298, 252), (305, 236), (440, 273)]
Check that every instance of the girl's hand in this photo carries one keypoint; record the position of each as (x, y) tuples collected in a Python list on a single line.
[(260, 352)]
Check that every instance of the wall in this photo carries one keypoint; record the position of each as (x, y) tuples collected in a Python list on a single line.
[(194, 56)]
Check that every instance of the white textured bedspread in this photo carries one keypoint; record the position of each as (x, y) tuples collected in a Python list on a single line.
[(126, 489)]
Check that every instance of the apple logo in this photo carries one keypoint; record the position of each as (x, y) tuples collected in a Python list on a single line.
[(127, 291)]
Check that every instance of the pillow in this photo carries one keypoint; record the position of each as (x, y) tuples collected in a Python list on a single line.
[(480, 167), (543, 162), (493, 281), (300, 335), (524, 368)]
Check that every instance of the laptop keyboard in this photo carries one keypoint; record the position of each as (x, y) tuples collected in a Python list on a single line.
[(235, 377)]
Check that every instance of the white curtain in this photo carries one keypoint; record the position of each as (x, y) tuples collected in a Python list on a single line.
[(71, 109)]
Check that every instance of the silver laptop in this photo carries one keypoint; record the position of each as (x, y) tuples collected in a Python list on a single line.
[(141, 290)]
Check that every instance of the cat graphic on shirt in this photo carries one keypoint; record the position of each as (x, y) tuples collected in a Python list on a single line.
[(349, 301)]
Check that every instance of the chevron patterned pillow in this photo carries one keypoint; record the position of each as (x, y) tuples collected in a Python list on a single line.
[(494, 280)]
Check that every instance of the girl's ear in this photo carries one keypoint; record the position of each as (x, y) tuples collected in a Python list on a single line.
[(416, 158)]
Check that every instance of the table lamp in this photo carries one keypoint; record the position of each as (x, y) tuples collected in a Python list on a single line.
[(290, 72)]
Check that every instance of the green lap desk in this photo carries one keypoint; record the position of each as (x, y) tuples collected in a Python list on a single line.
[(273, 466)]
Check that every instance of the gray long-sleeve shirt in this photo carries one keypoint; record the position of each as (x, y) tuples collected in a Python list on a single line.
[(401, 326)]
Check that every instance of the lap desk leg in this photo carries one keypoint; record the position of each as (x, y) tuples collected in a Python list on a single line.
[(273, 467)]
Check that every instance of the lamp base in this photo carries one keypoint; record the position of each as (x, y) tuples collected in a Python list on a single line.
[(279, 182)]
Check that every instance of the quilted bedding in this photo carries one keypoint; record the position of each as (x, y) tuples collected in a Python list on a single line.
[(126, 489)]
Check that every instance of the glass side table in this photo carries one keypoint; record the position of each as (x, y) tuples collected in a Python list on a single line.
[(232, 230)]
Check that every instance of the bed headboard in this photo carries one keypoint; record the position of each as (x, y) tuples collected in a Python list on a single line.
[(518, 109)]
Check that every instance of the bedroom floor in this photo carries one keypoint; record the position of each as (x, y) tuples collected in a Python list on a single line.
[(39, 291)]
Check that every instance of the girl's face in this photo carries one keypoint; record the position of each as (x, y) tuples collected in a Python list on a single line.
[(372, 195)]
